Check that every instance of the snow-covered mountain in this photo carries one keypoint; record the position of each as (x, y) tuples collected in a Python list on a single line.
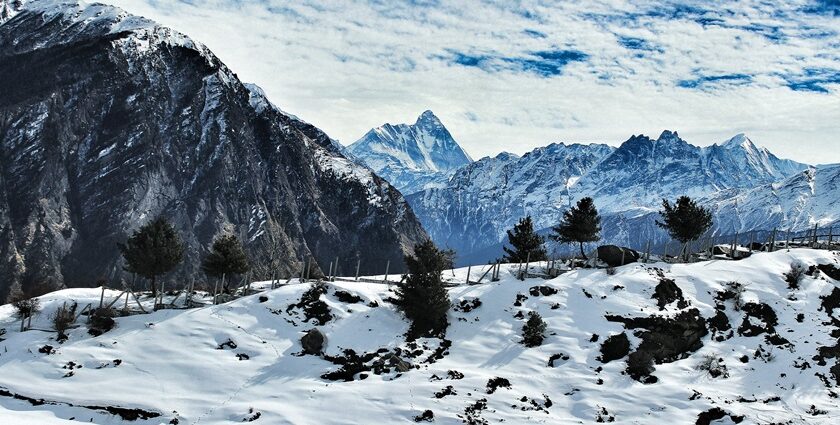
[(108, 120), (481, 201), (411, 156), (766, 354), (808, 198)]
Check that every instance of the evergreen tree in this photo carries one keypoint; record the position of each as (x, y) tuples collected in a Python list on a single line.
[(226, 258), (685, 221), (153, 250), (524, 240), (580, 224), (422, 297), (533, 332)]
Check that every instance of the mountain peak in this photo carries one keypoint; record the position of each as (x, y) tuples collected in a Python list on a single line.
[(428, 117), (668, 135), (411, 156), (739, 140)]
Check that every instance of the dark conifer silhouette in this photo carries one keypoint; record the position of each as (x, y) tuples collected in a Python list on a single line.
[(580, 224), (524, 240), (423, 297), (685, 221), (153, 250)]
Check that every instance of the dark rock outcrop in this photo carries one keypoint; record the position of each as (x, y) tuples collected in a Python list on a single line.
[(108, 122), (615, 347), (664, 339), (616, 256), (667, 292), (313, 342)]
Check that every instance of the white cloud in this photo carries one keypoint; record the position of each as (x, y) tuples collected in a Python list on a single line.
[(708, 70)]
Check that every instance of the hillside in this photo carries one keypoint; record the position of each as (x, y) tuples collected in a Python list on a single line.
[(109, 120), (773, 361)]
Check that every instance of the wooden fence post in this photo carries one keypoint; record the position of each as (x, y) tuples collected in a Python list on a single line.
[(816, 230), (387, 267), (335, 270), (358, 264), (102, 296), (469, 268)]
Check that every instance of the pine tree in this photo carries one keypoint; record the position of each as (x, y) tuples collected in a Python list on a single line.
[(580, 224), (524, 240), (422, 297), (226, 258), (533, 332), (153, 250), (685, 221)]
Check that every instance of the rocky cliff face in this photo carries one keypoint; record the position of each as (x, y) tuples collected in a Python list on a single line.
[(108, 120), (412, 157)]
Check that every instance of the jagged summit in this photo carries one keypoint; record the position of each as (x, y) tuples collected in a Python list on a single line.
[(412, 156)]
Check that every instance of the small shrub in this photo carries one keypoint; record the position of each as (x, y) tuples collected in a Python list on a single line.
[(62, 318), (24, 305), (735, 291), (713, 365), (611, 271), (795, 275), (533, 332), (101, 320)]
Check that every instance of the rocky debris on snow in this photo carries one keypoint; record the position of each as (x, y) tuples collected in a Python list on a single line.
[(47, 349), (616, 256), (263, 299), (227, 344), (531, 404), (664, 339), (472, 413), (831, 301), (543, 290), (759, 318), (467, 305), (720, 327), (313, 342), (667, 292), (426, 416), (448, 390), (520, 298), (615, 347), (604, 416), (126, 414), (252, 415), (347, 297), (830, 270), (242, 356), (714, 414), (552, 361), (495, 383), (313, 307)]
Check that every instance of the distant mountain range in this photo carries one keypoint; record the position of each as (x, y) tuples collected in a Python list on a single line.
[(746, 186), (412, 157)]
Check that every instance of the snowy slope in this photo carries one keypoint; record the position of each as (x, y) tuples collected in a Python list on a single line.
[(170, 362), (414, 156)]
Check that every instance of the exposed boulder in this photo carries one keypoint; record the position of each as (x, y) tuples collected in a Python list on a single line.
[(615, 347), (616, 256), (313, 342)]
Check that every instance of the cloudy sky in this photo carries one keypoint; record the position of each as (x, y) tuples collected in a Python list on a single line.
[(505, 75)]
